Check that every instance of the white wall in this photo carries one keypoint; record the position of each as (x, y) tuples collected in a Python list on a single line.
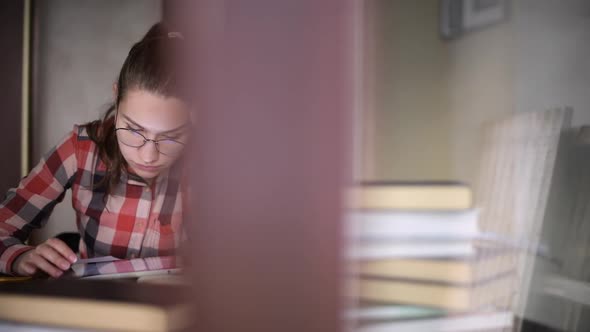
[(81, 47), (432, 96), (552, 51), (411, 108), (481, 90)]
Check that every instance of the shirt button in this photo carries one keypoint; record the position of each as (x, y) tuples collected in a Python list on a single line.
[(140, 224)]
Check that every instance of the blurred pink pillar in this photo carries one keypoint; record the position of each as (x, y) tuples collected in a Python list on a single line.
[(273, 84)]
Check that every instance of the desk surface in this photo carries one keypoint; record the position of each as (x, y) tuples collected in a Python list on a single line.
[(77, 305)]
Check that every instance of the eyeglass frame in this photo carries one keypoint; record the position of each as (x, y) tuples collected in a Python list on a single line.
[(145, 140)]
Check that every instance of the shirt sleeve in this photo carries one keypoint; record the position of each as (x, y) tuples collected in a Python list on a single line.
[(28, 206)]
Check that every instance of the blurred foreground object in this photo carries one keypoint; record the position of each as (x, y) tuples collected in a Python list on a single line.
[(273, 86)]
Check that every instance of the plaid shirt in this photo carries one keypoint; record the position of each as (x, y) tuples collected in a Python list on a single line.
[(135, 220)]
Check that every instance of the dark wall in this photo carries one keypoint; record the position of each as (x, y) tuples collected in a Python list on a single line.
[(11, 39)]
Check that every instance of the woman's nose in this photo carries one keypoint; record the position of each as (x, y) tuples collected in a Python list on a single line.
[(148, 153)]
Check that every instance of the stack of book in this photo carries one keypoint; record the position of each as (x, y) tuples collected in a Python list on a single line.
[(421, 264)]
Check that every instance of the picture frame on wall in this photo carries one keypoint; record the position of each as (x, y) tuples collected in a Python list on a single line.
[(458, 17)]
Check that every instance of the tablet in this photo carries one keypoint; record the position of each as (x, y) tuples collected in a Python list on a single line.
[(115, 268)]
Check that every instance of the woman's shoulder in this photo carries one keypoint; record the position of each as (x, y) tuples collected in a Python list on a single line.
[(74, 138), (82, 139), (81, 132)]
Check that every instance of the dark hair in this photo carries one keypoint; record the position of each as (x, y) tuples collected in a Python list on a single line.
[(149, 66)]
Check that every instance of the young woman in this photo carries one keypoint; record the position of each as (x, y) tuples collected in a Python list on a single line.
[(125, 172)]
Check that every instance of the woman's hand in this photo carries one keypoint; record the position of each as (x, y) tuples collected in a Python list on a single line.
[(52, 257)]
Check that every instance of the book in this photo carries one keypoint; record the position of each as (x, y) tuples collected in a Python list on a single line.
[(466, 322), (368, 250), (96, 305), (449, 296), (392, 224), (428, 195), (368, 312), (484, 265)]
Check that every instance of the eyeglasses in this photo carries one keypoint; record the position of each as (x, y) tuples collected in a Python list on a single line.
[(133, 138)]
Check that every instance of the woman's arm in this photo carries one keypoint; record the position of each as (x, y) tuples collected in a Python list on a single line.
[(28, 206)]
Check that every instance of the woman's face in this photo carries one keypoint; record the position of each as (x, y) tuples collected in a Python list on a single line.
[(163, 119)]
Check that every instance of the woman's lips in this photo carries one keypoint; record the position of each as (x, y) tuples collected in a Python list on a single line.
[(147, 168)]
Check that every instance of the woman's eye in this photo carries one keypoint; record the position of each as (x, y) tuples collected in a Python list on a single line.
[(133, 129), (172, 137)]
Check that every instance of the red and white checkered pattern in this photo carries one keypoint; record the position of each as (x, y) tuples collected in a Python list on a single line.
[(135, 220)]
